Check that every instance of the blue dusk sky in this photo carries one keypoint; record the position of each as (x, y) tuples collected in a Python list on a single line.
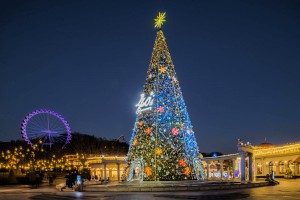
[(238, 64)]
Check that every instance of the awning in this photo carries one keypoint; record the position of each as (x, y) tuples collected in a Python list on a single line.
[(297, 160)]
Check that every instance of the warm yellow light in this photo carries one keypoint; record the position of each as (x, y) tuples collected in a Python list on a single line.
[(162, 70), (158, 151), (159, 20)]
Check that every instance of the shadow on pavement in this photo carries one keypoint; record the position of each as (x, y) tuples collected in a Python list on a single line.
[(64, 197), (210, 196), (233, 196)]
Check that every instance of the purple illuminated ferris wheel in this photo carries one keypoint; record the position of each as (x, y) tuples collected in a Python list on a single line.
[(46, 126)]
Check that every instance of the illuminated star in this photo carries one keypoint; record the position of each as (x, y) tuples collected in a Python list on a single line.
[(159, 20), (162, 70), (148, 130), (160, 109), (158, 151)]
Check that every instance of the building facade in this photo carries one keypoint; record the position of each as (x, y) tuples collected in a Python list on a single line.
[(231, 167), (246, 165), (104, 168), (282, 160), (253, 162)]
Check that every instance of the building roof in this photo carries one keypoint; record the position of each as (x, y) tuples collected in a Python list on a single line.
[(268, 150), (297, 160), (266, 145)]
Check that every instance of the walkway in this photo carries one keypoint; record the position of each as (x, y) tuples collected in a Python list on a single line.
[(287, 190)]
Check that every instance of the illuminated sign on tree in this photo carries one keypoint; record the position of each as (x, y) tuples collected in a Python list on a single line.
[(145, 103)]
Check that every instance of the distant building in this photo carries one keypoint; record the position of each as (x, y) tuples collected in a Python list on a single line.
[(246, 165), (251, 162), (102, 167), (105, 168), (278, 159)]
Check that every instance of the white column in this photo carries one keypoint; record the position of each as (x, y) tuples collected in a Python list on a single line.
[(276, 168), (250, 156), (207, 172), (233, 166), (254, 168), (118, 171), (221, 170), (104, 164), (242, 167), (263, 165)]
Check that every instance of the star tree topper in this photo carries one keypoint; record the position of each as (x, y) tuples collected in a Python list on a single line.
[(159, 20)]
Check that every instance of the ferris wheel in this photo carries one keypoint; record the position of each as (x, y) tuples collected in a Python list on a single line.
[(46, 126)]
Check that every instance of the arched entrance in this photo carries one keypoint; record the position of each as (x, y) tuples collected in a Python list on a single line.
[(259, 169), (291, 165), (281, 167), (271, 167), (198, 169), (136, 170)]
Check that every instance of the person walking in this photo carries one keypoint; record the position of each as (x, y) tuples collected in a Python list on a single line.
[(68, 180)]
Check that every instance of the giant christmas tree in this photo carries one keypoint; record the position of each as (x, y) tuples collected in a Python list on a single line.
[(162, 145)]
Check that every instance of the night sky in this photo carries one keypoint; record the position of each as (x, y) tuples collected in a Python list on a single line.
[(238, 65)]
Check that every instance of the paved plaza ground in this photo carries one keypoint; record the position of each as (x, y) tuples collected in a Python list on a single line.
[(287, 189)]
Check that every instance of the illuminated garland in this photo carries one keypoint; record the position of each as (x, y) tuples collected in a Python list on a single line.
[(292, 148)]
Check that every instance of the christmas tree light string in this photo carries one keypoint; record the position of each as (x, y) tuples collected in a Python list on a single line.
[(163, 145)]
